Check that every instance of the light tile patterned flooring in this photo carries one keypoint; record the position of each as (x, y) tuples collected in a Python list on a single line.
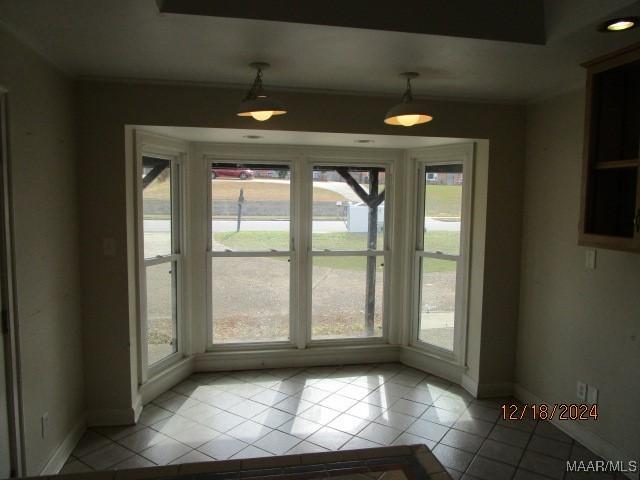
[(217, 416)]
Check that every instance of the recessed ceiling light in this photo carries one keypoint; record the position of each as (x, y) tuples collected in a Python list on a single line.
[(619, 24), (252, 137), (364, 140)]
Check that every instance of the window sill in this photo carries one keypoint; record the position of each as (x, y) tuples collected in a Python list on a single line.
[(315, 355)]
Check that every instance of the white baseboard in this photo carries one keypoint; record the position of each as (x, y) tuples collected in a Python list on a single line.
[(499, 389), (320, 356), (578, 432), (137, 409), (422, 361), (106, 417), (162, 382), (469, 384), (62, 453)]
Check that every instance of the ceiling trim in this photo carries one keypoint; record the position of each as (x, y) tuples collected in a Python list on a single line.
[(520, 21), (286, 89)]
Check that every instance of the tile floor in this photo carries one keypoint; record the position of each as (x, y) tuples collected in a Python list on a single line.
[(217, 416)]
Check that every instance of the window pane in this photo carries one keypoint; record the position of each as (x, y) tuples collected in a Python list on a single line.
[(156, 206), (250, 207), (161, 324), (443, 208), (341, 217), (250, 299), (341, 287), (437, 302)]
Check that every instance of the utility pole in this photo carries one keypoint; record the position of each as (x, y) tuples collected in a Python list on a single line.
[(373, 199), (240, 202)]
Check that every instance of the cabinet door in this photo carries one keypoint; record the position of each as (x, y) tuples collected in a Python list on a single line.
[(611, 185), (636, 218), (611, 203)]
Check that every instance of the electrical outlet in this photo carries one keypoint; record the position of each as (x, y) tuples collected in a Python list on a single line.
[(45, 424), (592, 395), (581, 391), (590, 259)]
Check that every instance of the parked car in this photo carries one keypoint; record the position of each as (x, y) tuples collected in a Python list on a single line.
[(241, 173)]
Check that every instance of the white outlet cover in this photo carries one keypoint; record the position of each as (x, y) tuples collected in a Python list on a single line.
[(581, 391), (590, 259), (45, 424), (592, 395)]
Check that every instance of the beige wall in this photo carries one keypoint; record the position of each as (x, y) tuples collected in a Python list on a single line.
[(41, 136), (575, 324), (105, 108)]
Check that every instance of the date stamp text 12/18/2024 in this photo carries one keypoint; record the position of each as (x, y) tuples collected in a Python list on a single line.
[(543, 411)]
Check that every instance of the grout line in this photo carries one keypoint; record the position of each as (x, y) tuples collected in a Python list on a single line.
[(405, 378)]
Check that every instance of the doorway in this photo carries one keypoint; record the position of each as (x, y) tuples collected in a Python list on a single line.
[(10, 465)]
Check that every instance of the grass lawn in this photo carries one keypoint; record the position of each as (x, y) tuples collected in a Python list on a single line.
[(444, 241), (443, 200)]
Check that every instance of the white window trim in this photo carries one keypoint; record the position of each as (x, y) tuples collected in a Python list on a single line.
[(463, 153), (175, 151), (208, 159), (313, 161), (301, 159)]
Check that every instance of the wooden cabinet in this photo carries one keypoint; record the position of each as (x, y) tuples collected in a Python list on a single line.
[(610, 211)]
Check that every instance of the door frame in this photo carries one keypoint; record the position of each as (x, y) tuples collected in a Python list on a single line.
[(7, 292)]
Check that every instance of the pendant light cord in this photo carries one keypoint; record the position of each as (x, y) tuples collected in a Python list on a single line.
[(256, 89), (408, 94)]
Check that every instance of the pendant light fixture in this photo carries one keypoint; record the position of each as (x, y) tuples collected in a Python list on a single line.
[(409, 112), (256, 104)]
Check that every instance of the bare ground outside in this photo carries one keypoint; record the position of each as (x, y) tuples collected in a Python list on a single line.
[(251, 304)]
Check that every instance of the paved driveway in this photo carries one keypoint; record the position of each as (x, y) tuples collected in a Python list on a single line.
[(320, 226)]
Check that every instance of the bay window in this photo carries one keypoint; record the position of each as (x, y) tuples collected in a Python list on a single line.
[(291, 247)]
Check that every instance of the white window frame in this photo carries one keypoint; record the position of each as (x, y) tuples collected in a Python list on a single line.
[(301, 160), (254, 159), (446, 155), (176, 152), (385, 252)]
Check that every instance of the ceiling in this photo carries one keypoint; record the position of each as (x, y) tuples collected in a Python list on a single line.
[(131, 39), (283, 137)]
